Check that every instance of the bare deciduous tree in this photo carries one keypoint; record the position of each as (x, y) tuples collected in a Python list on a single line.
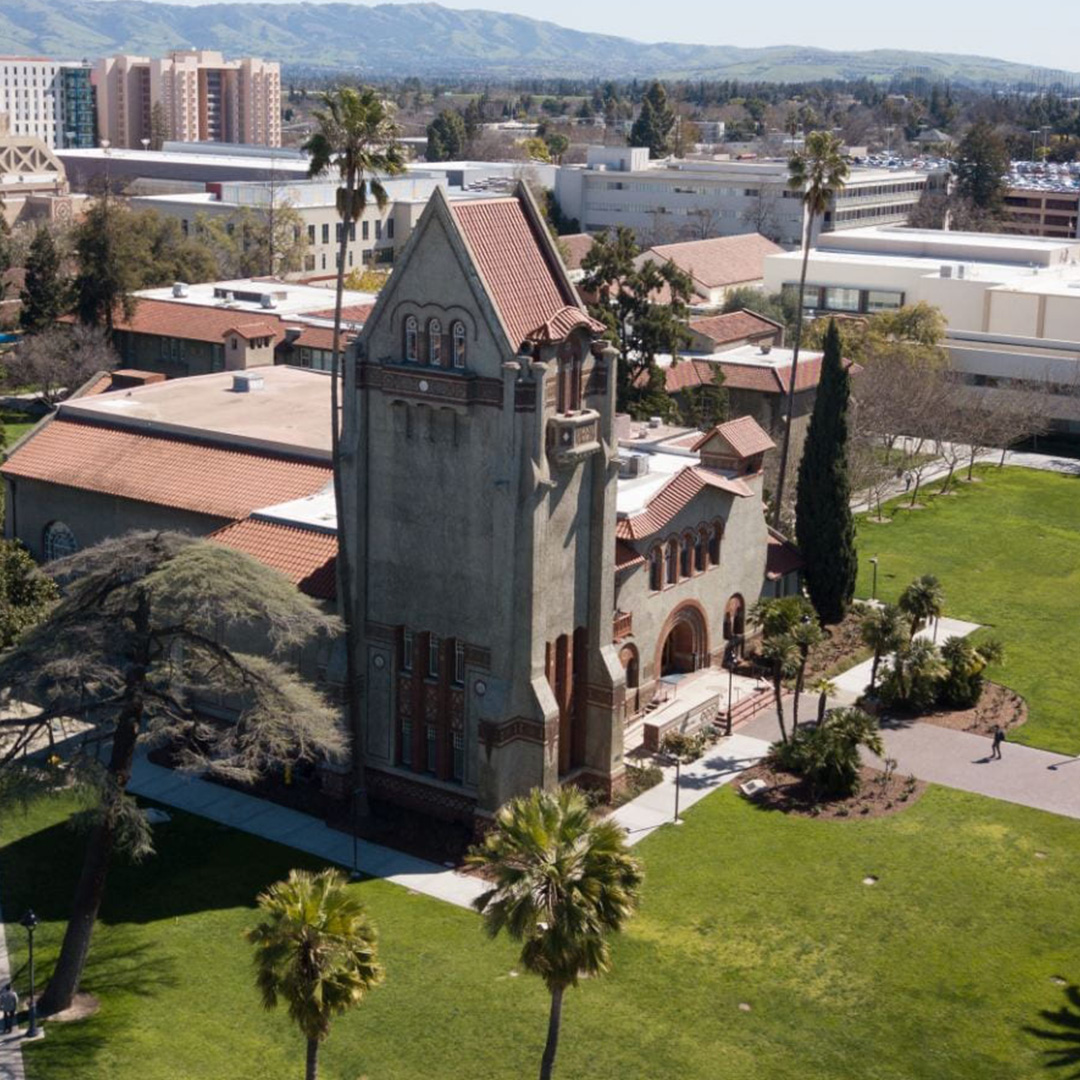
[(56, 362)]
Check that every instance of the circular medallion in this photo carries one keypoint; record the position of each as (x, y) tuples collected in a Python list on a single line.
[(480, 687), (423, 385)]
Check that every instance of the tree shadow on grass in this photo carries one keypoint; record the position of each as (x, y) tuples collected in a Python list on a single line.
[(198, 866), (1061, 1034)]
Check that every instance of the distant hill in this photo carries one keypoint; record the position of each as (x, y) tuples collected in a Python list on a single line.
[(426, 39)]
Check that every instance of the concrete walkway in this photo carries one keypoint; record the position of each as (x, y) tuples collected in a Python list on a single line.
[(11, 1059), (301, 831), (656, 807)]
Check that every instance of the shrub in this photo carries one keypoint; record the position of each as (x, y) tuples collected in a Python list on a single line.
[(686, 748)]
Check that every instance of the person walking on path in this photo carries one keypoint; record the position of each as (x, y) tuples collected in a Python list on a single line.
[(9, 1006), (999, 738)]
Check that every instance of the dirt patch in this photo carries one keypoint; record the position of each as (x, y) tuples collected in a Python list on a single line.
[(82, 1006), (841, 649), (878, 795), (998, 706)]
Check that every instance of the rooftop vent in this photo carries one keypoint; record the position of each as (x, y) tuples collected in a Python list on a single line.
[(655, 421), (633, 465), (766, 348), (179, 289), (247, 382), (266, 301)]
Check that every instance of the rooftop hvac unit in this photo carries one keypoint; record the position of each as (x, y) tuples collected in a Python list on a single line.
[(179, 289), (266, 301), (960, 271), (946, 271), (247, 382), (633, 465), (655, 421)]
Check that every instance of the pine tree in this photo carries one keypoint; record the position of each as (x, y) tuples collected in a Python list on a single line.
[(653, 126), (44, 294), (823, 521)]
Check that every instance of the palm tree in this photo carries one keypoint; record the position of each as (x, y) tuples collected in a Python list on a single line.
[(563, 882), (782, 656), (922, 602), (314, 950), (881, 631), (804, 636), (825, 689), (817, 172), (356, 138)]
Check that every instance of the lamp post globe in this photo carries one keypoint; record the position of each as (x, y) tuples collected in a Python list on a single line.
[(30, 921)]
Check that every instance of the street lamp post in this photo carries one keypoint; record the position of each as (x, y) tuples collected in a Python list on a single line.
[(678, 774), (30, 921), (873, 587)]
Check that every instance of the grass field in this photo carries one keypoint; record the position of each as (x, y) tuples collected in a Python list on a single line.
[(16, 424), (939, 970), (1007, 552)]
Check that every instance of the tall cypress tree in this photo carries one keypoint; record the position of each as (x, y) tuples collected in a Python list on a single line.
[(823, 522), (44, 294)]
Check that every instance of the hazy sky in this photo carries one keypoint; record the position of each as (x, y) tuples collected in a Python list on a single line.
[(1045, 32)]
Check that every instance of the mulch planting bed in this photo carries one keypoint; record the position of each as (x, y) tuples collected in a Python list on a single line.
[(842, 647), (877, 795), (998, 705)]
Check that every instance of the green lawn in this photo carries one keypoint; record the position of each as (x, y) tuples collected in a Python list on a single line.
[(1007, 552), (937, 971), (16, 424)]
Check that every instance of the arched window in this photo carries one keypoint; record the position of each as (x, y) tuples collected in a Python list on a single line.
[(412, 333), (57, 541), (434, 329), (700, 545), (686, 560), (458, 333), (672, 561), (656, 570), (714, 544)]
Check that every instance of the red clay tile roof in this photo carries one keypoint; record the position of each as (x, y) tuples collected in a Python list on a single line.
[(576, 246), (317, 337), (734, 326), (744, 435), (683, 487), (249, 330), (307, 557), (626, 557), (527, 293), (185, 475), (782, 557), (195, 322), (357, 313), (720, 262)]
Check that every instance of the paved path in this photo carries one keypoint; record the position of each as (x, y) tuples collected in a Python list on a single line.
[(656, 807), (11, 1059), (301, 831)]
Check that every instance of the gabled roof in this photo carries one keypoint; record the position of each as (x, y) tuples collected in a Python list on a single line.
[(720, 262), (250, 330), (576, 246), (626, 558), (744, 435), (683, 487), (177, 473), (519, 269), (734, 326), (307, 557), (350, 313)]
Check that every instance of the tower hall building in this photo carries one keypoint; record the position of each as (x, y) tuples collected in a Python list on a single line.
[(532, 576)]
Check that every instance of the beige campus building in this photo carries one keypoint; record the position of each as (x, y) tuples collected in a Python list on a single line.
[(205, 98)]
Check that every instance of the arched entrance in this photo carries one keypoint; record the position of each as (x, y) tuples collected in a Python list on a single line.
[(735, 624), (685, 644)]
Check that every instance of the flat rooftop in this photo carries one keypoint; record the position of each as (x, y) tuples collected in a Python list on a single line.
[(634, 493), (937, 243), (289, 414), (288, 297), (285, 162)]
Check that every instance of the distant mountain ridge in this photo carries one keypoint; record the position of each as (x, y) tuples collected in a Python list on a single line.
[(427, 39)]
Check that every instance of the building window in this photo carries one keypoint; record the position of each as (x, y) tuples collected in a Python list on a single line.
[(58, 541), (672, 562), (326, 233), (338, 230), (458, 331), (459, 663), (435, 343), (411, 334), (378, 230), (364, 230), (406, 650), (656, 570), (406, 742), (714, 545), (840, 299), (390, 229), (686, 561), (459, 756), (432, 749), (433, 656), (699, 552)]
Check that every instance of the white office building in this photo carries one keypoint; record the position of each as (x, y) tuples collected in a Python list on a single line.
[(37, 101), (674, 199), (1012, 302)]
